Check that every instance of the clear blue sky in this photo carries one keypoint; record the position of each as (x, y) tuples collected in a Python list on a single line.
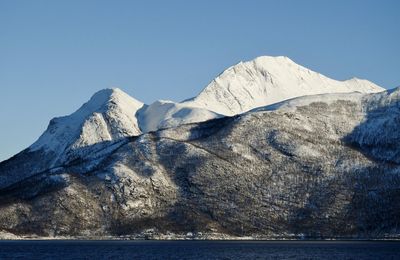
[(55, 54)]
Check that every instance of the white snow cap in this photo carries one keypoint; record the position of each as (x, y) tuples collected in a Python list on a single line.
[(267, 80), (112, 114), (108, 115)]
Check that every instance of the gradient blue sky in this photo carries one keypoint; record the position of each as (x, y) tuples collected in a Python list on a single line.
[(55, 54)]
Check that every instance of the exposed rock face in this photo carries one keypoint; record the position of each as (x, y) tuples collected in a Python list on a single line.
[(318, 166)]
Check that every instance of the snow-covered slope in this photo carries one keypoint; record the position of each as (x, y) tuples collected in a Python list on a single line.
[(109, 115), (245, 86), (112, 114), (164, 114), (267, 80)]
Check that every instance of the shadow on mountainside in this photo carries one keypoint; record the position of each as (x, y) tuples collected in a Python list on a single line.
[(359, 204), (172, 152), (351, 191), (29, 174), (364, 201), (378, 136), (68, 199)]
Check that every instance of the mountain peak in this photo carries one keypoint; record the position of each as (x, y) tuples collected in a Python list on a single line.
[(266, 58), (110, 95), (110, 114), (267, 80)]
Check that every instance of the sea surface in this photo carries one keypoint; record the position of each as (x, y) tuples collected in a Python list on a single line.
[(199, 250)]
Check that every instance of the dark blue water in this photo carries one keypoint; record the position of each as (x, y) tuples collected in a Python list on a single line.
[(197, 250)]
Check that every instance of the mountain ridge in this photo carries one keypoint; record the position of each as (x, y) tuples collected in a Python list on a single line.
[(111, 113), (267, 80)]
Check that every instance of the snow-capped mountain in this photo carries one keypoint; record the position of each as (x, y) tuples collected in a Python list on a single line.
[(321, 166), (267, 80), (304, 154), (111, 114), (245, 86)]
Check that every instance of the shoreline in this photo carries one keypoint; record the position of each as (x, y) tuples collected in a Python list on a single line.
[(183, 239), (153, 235)]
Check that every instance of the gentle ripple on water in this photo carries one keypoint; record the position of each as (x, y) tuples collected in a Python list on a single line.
[(199, 250)]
